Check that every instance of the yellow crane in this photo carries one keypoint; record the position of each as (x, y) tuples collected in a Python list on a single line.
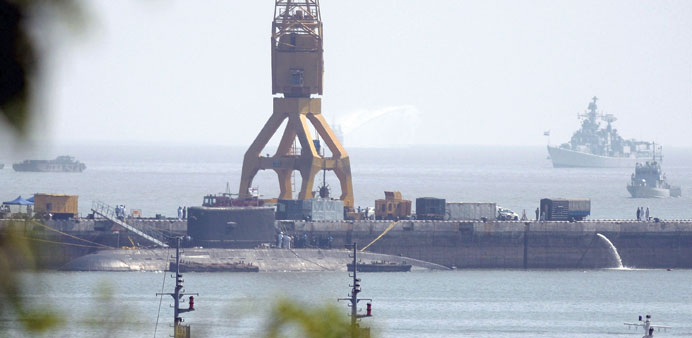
[(297, 72)]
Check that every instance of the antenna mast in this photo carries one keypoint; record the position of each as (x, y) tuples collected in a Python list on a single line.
[(180, 330), (353, 297)]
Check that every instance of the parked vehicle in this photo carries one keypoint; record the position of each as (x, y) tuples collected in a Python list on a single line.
[(565, 209), (504, 214)]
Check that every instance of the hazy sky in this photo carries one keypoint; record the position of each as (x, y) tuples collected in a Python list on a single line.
[(396, 72)]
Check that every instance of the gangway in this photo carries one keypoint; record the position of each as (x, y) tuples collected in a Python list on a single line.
[(108, 212)]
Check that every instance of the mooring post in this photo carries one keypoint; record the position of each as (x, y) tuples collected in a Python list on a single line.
[(527, 229)]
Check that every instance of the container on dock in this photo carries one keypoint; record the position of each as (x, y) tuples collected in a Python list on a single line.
[(565, 209), (315, 209), (289, 210), (61, 206), (471, 211), (431, 208)]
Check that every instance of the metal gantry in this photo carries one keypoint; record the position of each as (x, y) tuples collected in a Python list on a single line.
[(106, 211), (297, 72)]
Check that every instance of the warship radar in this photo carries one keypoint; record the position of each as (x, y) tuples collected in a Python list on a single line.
[(649, 181), (598, 147)]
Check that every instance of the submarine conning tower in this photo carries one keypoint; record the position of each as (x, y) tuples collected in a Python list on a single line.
[(297, 71)]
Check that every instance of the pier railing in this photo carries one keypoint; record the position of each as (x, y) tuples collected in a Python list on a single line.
[(152, 235)]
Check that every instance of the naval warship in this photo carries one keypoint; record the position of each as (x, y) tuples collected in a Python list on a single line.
[(648, 181), (598, 147), (59, 164)]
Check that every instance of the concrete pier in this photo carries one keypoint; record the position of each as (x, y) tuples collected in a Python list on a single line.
[(516, 244), (460, 244)]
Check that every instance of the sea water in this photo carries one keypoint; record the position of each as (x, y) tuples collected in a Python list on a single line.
[(462, 303), (159, 179)]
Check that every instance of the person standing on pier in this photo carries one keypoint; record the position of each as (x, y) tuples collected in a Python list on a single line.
[(184, 212), (538, 212), (639, 214), (647, 214), (279, 239)]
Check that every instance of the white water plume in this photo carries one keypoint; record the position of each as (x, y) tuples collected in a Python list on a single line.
[(397, 125), (613, 250)]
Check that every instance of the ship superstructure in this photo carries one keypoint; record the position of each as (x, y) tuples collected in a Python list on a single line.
[(649, 181), (596, 146), (59, 164)]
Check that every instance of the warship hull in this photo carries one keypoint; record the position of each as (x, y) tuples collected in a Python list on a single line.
[(47, 167), (648, 192), (566, 158)]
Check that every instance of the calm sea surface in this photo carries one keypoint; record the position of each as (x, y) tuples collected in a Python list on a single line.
[(159, 179), (469, 303), (418, 304)]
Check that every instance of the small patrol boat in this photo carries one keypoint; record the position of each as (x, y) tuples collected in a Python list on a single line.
[(649, 181), (380, 266)]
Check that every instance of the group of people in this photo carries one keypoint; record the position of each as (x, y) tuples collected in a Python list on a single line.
[(643, 215), (285, 241), (366, 213), (182, 212), (120, 212)]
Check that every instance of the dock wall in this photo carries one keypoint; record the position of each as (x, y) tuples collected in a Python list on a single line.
[(55, 242), (460, 244), (507, 244)]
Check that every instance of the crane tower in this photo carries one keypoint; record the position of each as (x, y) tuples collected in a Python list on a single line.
[(297, 71)]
